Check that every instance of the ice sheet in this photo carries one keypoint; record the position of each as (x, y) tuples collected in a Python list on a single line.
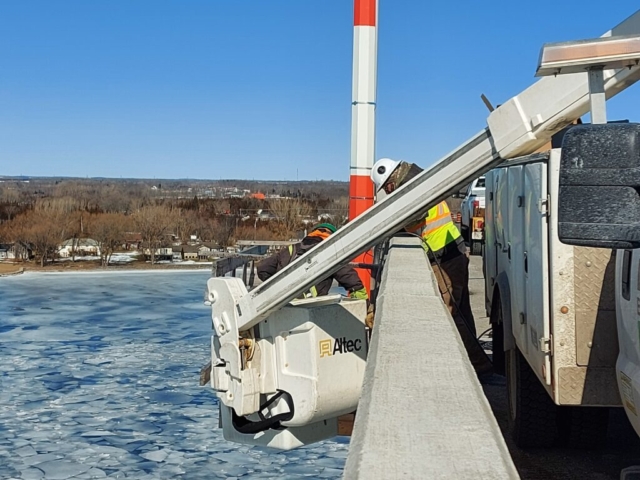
[(100, 377)]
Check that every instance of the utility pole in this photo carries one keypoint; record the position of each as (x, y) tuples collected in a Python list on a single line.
[(365, 57)]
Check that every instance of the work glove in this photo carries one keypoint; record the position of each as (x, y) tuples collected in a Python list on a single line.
[(205, 374), (370, 314)]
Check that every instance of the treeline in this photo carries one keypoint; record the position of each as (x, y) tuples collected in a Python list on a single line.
[(44, 217)]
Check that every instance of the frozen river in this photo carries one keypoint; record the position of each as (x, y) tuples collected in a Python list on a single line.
[(99, 378)]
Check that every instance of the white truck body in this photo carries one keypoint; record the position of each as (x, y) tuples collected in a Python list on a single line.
[(556, 302), (552, 308), (628, 315)]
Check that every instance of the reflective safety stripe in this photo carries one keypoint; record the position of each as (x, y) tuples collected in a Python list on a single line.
[(437, 230), (359, 294), (313, 292), (437, 217)]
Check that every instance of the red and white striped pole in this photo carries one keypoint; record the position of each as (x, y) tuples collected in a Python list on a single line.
[(365, 56)]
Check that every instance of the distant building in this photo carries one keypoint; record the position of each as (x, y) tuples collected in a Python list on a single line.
[(79, 247), (132, 241), (5, 251), (164, 252), (208, 250)]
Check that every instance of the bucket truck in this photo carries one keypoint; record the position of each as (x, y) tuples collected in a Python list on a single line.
[(284, 369)]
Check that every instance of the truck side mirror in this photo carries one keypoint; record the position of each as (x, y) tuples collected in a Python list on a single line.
[(599, 196)]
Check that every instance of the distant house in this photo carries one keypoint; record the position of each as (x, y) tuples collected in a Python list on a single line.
[(185, 252), (209, 247), (132, 241), (79, 247), (208, 250), (5, 250), (164, 252), (20, 251), (190, 252)]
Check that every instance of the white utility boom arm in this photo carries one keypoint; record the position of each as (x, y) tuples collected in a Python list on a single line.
[(518, 127)]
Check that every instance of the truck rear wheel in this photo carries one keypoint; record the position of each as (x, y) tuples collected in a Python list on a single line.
[(464, 231), (583, 427), (497, 344), (533, 417)]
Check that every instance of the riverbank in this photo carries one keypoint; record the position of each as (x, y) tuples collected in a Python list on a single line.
[(88, 266), (7, 269)]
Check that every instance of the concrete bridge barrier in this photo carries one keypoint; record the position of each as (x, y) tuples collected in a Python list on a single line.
[(422, 413)]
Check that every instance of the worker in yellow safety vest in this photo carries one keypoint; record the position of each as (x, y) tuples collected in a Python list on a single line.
[(447, 254)]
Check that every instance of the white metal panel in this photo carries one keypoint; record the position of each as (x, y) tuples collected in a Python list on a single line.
[(364, 65), (561, 285), (515, 254), (489, 261), (628, 313), (363, 128), (501, 214), (536, 265), (363, 122), (494, 230), (501, 209)]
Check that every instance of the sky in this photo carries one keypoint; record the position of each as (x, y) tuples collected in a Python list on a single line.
[(255, 89)]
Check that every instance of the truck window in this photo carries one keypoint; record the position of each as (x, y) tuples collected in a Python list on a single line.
[(480, 183), (626, 275)]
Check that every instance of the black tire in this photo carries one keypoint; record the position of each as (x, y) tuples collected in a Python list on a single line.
[(583, 428), (533, 417), (497, 349), (464, 231), (476, 247)]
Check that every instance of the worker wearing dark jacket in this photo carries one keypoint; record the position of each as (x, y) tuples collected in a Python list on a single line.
[(446, 251), (346, 277)]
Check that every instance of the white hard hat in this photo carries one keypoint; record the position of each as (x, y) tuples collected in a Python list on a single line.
[(382, 170)]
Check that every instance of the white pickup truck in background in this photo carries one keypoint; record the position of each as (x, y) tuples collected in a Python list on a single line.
[(472, 215)]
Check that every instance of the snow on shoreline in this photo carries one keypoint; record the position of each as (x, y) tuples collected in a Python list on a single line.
[(108, 271)]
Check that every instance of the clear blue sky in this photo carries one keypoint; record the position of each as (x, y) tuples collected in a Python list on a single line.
[(260, 89)]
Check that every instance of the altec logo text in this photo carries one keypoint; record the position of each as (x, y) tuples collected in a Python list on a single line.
[(341, 345)]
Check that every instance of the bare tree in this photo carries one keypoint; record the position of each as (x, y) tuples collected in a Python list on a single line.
[(45, 230), (16, 232), (185, 224), (225, 230), (221, 207), (10, 197), (114, 200), (153, 223), (290, 212), (340, 213), (65, 210), (108, 229)]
